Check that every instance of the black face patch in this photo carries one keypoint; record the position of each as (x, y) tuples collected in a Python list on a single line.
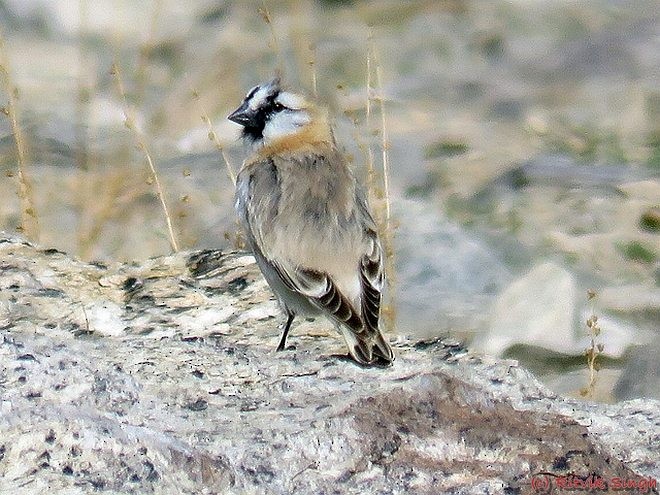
[(255, 130)]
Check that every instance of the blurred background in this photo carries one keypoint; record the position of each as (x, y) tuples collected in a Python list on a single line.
[(522, 142)]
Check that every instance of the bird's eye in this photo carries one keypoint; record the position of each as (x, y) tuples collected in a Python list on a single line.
[(278, 107)]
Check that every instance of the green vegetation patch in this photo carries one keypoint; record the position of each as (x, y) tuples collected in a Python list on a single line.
[(445, 148), (650, 220), (637, 251), (654, 156)]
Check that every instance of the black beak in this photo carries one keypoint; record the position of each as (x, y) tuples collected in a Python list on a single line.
[(243, 115)]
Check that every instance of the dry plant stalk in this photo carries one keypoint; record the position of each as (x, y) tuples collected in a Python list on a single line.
[(312, 67), (83, 92), (86, 198), (303, 47), (145, 50), (236, 238), (265, 15), (385, 145), (385, 226), (112, 199), (371, 173), (212, 135), (594, 349), (29, 219), (129, 122)]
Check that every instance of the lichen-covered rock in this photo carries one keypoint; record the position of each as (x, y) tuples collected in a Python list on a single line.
[(161, 377)]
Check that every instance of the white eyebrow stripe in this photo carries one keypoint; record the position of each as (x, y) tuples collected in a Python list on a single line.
[(291, 100), (259, 97), (251, 93)]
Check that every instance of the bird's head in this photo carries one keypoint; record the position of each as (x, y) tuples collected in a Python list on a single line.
[(269, 113)]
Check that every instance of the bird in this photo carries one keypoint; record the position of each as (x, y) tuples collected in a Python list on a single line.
[(307, 221)]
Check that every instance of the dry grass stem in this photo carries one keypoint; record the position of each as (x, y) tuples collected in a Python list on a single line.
[(371, 173), (145, 50), (113, 196), (212, 135), (312, 66), (386, 226), (84, 92), (265, 15), (594, 349), (29, 219), (129, 121), (385, 145), (315, 91), (86, 199), (234, 237)]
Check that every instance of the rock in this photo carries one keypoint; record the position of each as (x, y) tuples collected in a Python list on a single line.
[(444, 276), (562, 170), (645, 190), (541, 309), (631, 299), (536, 309), (641, 376), (161, 377)]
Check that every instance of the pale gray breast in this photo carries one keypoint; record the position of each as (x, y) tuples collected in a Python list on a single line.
[(319, 189), (305, 212), (257, 200)]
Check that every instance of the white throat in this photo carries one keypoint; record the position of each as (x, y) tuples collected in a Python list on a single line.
[(285, 123)]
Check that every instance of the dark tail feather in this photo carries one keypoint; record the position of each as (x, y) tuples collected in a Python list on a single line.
[(383, 350), (369, 350)]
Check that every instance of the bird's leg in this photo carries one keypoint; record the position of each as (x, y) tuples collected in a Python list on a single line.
[(287, 327)]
